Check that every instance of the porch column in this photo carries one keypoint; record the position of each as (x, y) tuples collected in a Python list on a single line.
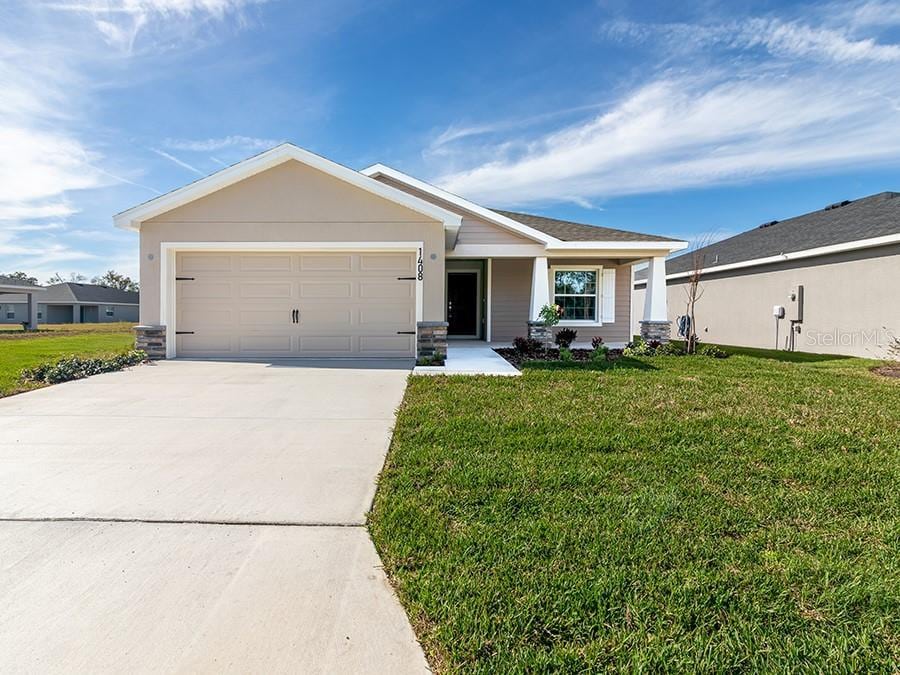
[(656, 324), (76, 313), (540, 288), (32, 311)]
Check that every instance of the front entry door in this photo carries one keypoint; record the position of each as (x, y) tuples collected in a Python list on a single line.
[(462, 304)]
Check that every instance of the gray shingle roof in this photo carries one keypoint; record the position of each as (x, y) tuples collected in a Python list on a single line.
[(10, 281), (63, 294), (873, 216), (566, 230)]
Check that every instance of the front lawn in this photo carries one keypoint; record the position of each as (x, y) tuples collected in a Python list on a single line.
[(20, 350), (690, 514)]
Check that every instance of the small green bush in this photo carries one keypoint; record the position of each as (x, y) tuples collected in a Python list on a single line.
[(565, 355), (76, 368), (712, 351), (436, 359)]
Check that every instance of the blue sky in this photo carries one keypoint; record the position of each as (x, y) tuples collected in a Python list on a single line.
[(683, 119)]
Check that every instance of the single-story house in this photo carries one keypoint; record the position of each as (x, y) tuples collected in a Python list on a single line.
[(18, 303), (72, 303), (825, 282), (290, 254)]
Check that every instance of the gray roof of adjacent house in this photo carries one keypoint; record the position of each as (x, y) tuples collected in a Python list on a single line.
[(844, 222), (11, 281), (567, 230), (71, 292)]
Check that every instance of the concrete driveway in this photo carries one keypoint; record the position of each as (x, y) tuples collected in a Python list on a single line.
[(195, 515)]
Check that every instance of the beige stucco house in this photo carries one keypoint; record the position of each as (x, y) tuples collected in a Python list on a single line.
[(290, 254), (834, 273)]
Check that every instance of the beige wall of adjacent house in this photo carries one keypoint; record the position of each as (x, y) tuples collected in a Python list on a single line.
[(511, 299), (292, 203), (851, 303)]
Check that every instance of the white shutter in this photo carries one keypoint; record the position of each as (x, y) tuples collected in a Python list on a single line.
[(608, 296)]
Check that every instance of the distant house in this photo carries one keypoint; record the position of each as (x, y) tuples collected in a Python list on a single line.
[(836, 273), (22, 294), (71, 303)]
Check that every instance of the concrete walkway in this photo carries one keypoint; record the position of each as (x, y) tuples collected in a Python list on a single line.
[(199, 516), (470, 357)]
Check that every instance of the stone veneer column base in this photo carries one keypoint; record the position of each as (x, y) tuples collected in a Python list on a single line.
[(431, 338), (656, 331), (151, 340), (540, 331)]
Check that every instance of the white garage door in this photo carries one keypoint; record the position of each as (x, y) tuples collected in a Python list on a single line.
[(295, 304)]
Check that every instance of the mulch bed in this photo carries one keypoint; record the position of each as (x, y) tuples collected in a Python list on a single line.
[(892, 370), (518, 359)]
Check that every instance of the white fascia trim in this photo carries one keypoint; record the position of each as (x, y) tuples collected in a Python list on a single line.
[(168, 249), (132, 218), (381, 170), (665, 246), (796, 255)]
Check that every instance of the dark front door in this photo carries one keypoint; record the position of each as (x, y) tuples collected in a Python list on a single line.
[(462, 303)]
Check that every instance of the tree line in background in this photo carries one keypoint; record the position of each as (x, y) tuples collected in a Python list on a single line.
[(111, 279)]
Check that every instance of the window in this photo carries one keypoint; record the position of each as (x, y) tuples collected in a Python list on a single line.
[(110, 311), (10, 312), (576, 292), (40, 315)]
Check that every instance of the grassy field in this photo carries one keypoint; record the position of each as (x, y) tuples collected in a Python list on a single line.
[(665, 514), (20, 350)]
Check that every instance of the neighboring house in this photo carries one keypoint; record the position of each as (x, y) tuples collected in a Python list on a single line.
[(73, 303), (290, 254), (836, 273), (18, 303)]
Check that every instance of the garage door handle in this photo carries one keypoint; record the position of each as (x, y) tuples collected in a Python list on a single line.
[(406, 332), (295, 316)]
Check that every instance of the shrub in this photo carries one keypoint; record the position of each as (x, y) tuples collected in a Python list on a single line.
[(565, 355), (712, 351), (76, 368), (436, 359), (527, 346), (637, 347), (565, 337), (668, 349), (596, 342)]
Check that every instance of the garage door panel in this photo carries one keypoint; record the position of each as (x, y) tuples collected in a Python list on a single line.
[(204, 262), (257, 319), (266, 291), (312, 345), (265, 263), (265, 344), (196, 345), (385, 345), (206, 316), (386, 263), (325, 290), (326, 263), (325, 318), (200, 290), (390, 315), (386, 290), (242, 304)]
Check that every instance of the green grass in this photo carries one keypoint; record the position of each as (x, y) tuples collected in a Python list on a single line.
[(694, 515), (19, 350)]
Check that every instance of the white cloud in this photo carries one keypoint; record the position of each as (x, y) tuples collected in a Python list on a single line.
[(791, 39), (121, 21), (799, 95), (227, 142), (181, 163), (680, 132)]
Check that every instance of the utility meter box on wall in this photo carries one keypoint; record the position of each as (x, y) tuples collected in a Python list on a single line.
[(778, 312), (795, 309)]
